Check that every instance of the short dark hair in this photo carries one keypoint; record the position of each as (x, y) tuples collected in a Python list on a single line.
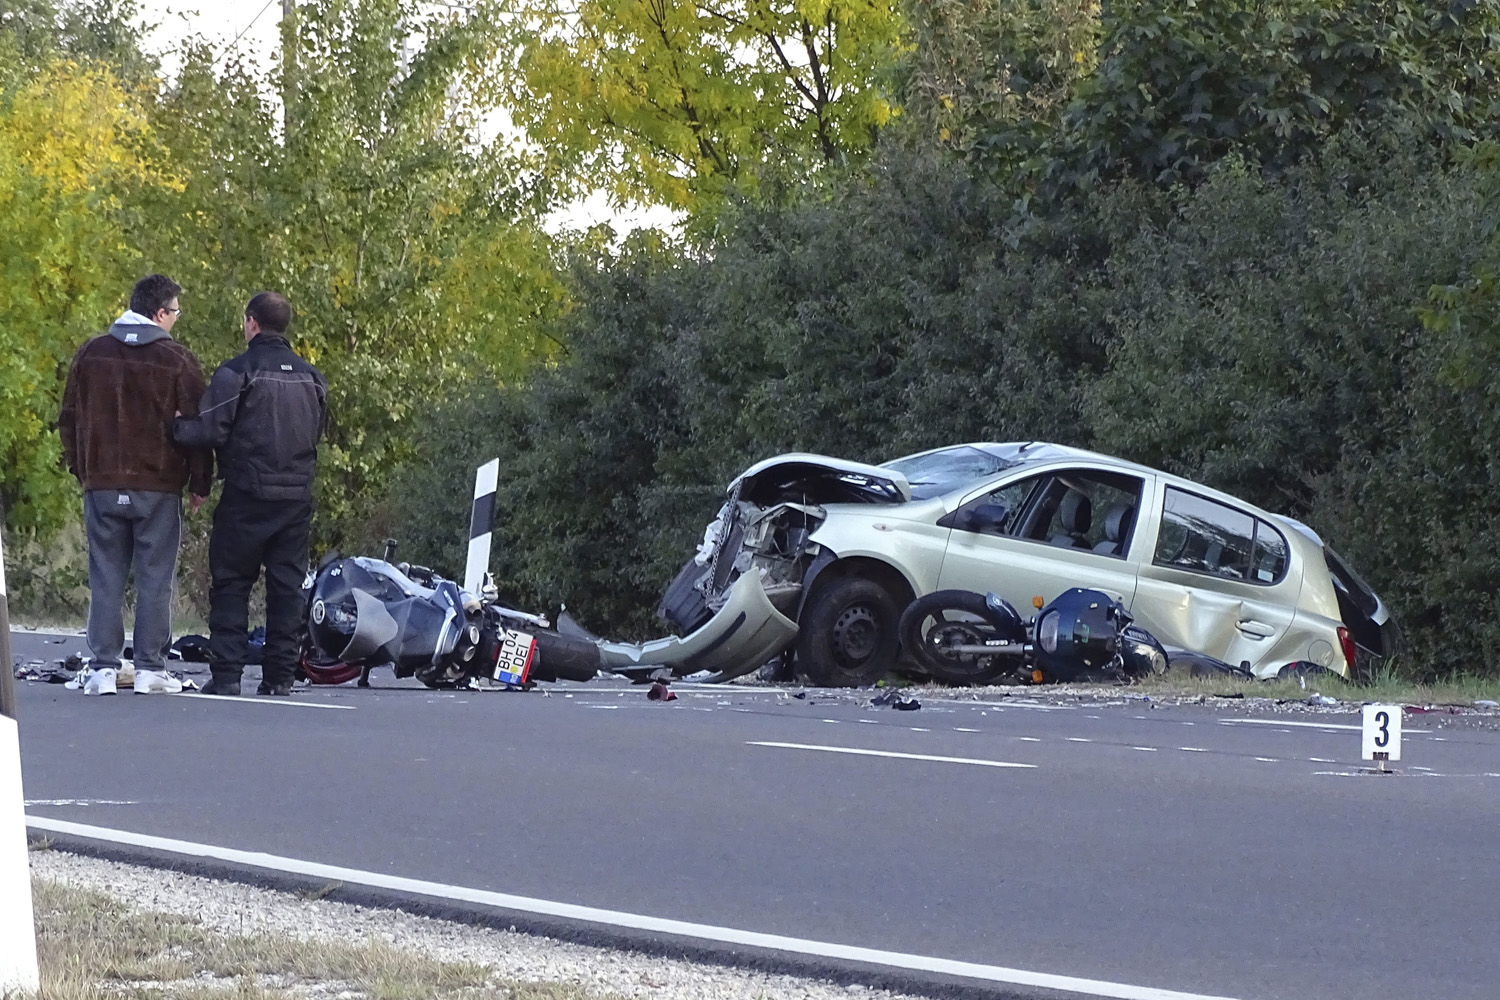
[(273, 312), (152, 293)]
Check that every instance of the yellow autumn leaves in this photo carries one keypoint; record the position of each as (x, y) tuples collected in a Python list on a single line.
[(71, 139)]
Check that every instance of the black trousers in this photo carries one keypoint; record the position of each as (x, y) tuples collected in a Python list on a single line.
[(249, 534)]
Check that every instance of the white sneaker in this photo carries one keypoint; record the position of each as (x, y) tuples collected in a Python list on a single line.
[(101, 681), (125, 675), (156, 682)]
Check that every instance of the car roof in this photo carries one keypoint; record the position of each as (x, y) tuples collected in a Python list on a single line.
[(1039, 455)]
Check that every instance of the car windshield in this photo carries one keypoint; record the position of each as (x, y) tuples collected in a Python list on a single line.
[(939, 472)]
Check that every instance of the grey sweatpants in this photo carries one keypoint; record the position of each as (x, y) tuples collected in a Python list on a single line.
[(131, 528)]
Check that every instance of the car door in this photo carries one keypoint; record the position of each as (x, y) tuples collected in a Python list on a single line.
[(1216, 581), (1040, 536)]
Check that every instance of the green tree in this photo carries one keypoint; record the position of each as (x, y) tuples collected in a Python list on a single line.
[(991, 78), (677, 101), (409, 249), (72, 145), (1183, 83)]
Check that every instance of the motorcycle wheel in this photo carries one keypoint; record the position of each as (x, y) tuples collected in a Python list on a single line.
[(932, 625)]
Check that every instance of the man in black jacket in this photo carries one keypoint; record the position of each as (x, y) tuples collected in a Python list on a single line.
[(263, 412)]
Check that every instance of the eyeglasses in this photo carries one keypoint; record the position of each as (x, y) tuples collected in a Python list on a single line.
[(177, 311)]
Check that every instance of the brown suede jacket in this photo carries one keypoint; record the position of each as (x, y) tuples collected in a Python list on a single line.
[(116, 420)]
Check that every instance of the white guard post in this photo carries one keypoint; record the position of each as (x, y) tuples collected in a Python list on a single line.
[(1380, 733), (18, 968), (481, 525)]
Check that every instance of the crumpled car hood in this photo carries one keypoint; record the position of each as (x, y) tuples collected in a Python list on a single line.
[(819, 479)]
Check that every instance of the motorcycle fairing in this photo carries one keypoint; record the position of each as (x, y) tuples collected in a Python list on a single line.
[(744, 633), (373, 627)]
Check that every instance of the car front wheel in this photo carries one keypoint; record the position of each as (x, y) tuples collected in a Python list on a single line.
[(848, 633)]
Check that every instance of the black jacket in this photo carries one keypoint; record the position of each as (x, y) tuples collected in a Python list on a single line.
[(264, 412)]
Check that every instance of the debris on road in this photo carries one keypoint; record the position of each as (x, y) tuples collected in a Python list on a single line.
[(660, 692), (896, 700)]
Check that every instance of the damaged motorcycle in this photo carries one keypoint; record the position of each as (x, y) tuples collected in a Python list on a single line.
[(961, 637), (364, 613)]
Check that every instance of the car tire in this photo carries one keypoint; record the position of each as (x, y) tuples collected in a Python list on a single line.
[(847, 636)]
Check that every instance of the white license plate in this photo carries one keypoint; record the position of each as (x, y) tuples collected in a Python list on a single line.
[(517, 650)]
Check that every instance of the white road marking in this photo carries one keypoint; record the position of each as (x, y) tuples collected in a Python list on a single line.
[(1038, 706), (961, 729), (887, 753), (1304, 725), (1193, 749), (1322, 760), (82, 802), (619, 918), (1268, 760), (1029, 739), (1147, 749), (918, 729), (832, 722), (1078, 739), (213, 699)]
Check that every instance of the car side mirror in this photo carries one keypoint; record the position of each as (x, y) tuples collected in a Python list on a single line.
[(985, 517)]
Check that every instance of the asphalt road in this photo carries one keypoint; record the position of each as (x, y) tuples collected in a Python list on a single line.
[(1181, 848)]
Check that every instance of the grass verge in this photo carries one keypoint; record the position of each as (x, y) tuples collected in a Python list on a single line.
[(1384, 687), (93, 947)]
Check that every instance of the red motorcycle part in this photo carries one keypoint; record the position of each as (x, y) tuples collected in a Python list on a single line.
[(328, 671)]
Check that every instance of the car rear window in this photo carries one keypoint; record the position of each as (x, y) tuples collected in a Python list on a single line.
[(1204, 536)]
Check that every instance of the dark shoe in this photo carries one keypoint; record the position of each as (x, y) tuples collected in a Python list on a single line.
[(217, 685), (281, 690)]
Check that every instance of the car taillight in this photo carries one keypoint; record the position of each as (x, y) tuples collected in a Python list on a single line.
[(1347, 642)]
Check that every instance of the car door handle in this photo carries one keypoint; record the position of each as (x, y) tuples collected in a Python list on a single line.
[(1255, 629)]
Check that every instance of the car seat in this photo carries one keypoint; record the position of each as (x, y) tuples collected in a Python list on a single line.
[(1076, 515), (1117, 524)]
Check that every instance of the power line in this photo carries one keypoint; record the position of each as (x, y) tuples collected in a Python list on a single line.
[(230, 47)]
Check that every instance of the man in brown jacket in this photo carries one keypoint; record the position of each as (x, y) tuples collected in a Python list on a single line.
[(122, 392)]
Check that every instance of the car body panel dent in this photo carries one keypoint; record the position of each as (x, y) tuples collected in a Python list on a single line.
[(744, 633), (913, 548)]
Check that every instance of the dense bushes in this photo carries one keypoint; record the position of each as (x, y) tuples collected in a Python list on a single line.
[(1259, 333)]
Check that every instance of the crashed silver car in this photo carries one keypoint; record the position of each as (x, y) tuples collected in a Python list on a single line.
[(817, 557)]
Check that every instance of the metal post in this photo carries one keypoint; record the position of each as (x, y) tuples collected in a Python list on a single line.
[(7, 674), (288, 67)]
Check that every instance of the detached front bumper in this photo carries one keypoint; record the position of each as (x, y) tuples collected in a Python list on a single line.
[(740, 637)]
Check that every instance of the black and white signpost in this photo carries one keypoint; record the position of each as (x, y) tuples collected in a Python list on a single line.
[(481, 525), (18, 968)]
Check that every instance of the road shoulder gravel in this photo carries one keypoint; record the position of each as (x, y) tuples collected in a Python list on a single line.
[(230, 908)]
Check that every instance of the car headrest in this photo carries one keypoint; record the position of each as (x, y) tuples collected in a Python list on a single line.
[(1076, 512), (1118, 521)]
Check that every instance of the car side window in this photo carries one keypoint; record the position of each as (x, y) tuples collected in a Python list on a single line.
[(1085, 509), (1205, 536), (1270, 560), (995, 512)]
